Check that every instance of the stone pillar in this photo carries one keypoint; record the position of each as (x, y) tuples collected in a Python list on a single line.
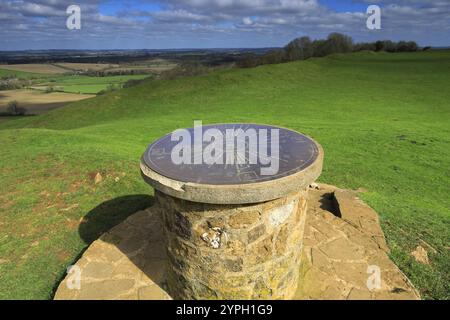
[(234, 230), (234, 251)]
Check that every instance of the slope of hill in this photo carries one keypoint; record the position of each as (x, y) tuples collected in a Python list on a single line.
[(383, 120)]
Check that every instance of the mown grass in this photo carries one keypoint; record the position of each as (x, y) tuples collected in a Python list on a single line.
[(88, 84), (382, 119)]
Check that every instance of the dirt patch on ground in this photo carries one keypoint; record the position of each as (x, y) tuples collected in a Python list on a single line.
[(421, 255), (37, 102)]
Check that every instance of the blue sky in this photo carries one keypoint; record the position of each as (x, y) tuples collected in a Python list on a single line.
[(134, 24), (114, 6), (344, 5)]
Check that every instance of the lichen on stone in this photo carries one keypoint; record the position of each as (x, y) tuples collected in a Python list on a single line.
[(213, 237)]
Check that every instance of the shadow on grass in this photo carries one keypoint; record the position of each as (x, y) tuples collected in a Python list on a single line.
[(110, 213)]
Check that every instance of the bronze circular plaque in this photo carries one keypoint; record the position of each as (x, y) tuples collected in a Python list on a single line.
[(230, 154)]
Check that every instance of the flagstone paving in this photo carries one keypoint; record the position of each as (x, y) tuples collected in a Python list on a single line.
[(344, 255)]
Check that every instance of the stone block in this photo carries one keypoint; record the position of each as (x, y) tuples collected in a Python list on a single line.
[(243, 219), (278, 215), (255, 233)]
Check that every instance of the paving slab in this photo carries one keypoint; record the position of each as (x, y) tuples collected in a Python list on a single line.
[(345, 257)]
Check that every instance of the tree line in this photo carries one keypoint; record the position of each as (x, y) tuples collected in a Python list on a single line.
[(304, 48)]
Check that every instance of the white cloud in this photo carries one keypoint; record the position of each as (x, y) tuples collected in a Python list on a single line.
[(247, 21), (226, 23)]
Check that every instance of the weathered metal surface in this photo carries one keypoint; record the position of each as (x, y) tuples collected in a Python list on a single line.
[(296, 152)]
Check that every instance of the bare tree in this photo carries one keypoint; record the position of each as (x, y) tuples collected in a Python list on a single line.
[(299, 49), (14, 109)]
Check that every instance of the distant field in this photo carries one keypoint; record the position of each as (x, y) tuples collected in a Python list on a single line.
[(21, 74), (148, 66), (150, 69), (62, 76), (36, 102), (43, 68), (85, 84), (382, 119), (86, 66), (36, 69)]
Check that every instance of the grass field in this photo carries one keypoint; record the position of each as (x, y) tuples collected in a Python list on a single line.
[(63, 78), (382, 119), (72, 83), (21, 74), (85, 84)]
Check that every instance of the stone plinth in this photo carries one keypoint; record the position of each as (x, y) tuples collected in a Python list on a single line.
[(240, 238), (234, 251)]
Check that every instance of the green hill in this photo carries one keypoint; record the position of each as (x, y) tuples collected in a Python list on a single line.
[(383, 120)]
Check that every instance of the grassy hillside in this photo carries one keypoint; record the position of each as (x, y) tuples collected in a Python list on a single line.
[(383, 120)]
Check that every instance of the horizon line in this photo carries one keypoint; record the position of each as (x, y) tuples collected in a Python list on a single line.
[(118, 49)]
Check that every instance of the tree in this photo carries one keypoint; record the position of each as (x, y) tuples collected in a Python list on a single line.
[(412, 46), (299, 49), (249, 60), (389, 46), (339, 43), (402, 46), (273, 56), (385, 45), (379, 46), (319, 48), (368, 46), (13, 108), (303, 48)]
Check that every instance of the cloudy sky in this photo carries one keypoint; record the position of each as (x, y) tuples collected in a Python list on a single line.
[(113, 24)]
